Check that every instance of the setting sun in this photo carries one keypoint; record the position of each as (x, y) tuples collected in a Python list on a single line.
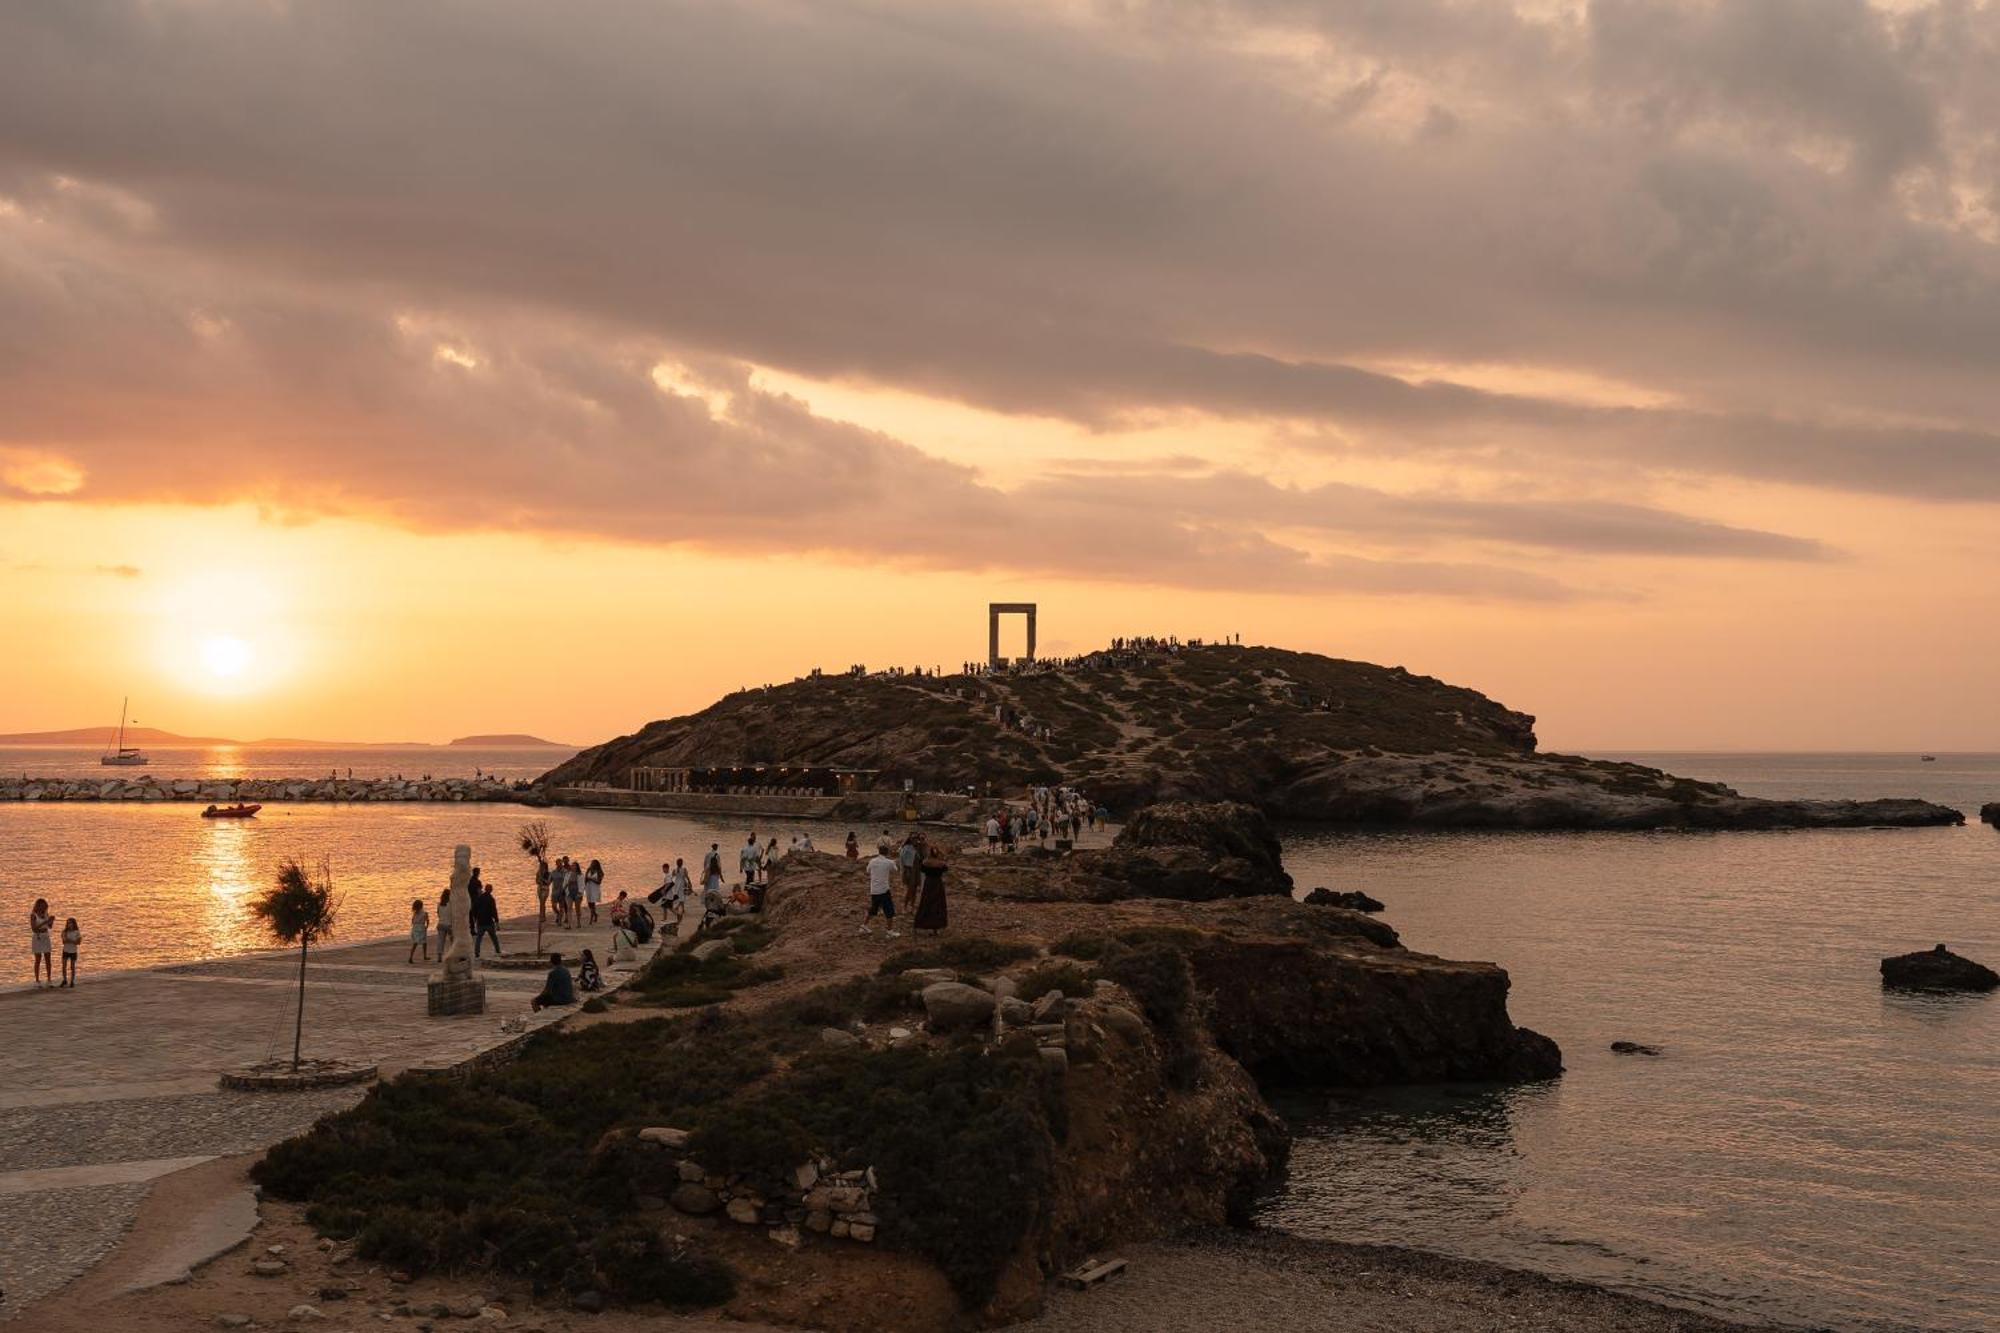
[(225, 656)]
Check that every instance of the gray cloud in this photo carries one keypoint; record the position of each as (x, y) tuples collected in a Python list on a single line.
[(221, 211)]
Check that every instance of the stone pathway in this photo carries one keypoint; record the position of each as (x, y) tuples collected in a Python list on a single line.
[(113, 1084)]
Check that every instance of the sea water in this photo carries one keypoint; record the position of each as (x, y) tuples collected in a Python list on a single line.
[(1807, 1149)]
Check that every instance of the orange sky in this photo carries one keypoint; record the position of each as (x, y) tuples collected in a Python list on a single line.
[(1593, 358)]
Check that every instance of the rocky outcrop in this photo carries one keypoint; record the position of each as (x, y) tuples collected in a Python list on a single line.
[(1296, 735), (1937, 969), (1990, 813), (228, 791), (1352, 899)]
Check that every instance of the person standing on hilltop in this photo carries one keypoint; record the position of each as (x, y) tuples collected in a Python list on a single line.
[(931, 913), (853, 846), (908, 857), (881, 892), (992, 834)]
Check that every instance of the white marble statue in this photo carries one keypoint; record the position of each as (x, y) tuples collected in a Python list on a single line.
[(456, 961)]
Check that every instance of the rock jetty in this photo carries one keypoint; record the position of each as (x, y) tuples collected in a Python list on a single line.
[(1937, 969), (261, 791), (1297, 735)]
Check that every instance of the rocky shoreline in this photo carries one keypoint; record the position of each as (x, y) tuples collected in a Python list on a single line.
[(259, 790)]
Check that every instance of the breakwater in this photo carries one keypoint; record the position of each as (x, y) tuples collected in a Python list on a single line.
[(224, 791)]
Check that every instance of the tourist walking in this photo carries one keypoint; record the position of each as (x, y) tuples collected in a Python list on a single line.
[(40, 923), (72, 940), (444, 923), (931, 914), (908, 857), (881, 891), (485, 918), (593, 887), (750, 858), (770, 859), (711, 870), (420, 930), (559, 890)]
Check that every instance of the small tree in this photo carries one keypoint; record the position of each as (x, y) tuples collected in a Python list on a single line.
[(534, 837), (298, 909)]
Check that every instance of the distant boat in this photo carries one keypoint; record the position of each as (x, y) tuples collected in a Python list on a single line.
[(1928, 758), (125, 756), (230, 811)]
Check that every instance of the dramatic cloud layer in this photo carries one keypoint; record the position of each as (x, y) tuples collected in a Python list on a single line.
[(511, 265)]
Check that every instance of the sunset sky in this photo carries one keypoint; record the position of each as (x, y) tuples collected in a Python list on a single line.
[(395, 369)]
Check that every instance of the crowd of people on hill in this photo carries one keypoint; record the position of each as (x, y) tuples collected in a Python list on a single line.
[(1062, 813)]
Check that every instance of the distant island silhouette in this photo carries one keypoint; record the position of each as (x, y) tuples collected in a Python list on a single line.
[(153, 736)]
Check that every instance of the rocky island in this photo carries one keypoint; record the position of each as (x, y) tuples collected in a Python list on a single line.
[(1297, 735)]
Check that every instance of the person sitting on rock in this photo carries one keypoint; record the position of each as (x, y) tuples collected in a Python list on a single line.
[(588, 978), (560, 988)]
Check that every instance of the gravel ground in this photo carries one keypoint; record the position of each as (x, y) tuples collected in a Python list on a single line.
[(216, 1123), (1280, 1284), (48, 1238)]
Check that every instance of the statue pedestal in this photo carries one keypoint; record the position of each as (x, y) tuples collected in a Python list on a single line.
[(456, 995)]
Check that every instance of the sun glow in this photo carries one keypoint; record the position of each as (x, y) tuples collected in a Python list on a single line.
[(225, 656)]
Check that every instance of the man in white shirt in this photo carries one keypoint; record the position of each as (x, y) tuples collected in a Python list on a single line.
[(749, 858), (881, 891)]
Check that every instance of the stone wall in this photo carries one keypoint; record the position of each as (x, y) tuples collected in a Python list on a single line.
[(261, 791)]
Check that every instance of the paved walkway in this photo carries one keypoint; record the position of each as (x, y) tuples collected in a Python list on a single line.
[(113, 1084)]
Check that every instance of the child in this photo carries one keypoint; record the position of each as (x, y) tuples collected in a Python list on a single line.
[(72, 937), (587, 977), (420, 930)]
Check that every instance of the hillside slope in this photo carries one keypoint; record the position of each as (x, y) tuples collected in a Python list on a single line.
[(1296, 734)]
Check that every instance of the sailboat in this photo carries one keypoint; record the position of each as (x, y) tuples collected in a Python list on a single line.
[(126, 756)]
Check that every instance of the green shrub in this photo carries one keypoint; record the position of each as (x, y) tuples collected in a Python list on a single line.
[(1157, 977), (969, 953), (837, 1005), (1088, 945), (681, 981), (1066, 977), (961, 1143), (505, 1169)]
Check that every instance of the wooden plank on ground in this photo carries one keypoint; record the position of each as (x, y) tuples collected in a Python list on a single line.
[(1091, 1272)]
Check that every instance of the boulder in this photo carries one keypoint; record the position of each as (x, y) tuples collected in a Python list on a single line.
[(1634, 1048), (708, 949), (664, 1137), (1015, 1012), (837, 1038), (1195, 853), (1990, 813), (694, 1199), (1937, 969), (1352, 899), (951, 1005), (745, 1210)]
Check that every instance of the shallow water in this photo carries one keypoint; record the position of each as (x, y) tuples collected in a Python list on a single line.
[(155, 882), (1808, 1149)]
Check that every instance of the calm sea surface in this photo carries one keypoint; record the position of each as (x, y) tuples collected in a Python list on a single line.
[(1808, 1149)]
